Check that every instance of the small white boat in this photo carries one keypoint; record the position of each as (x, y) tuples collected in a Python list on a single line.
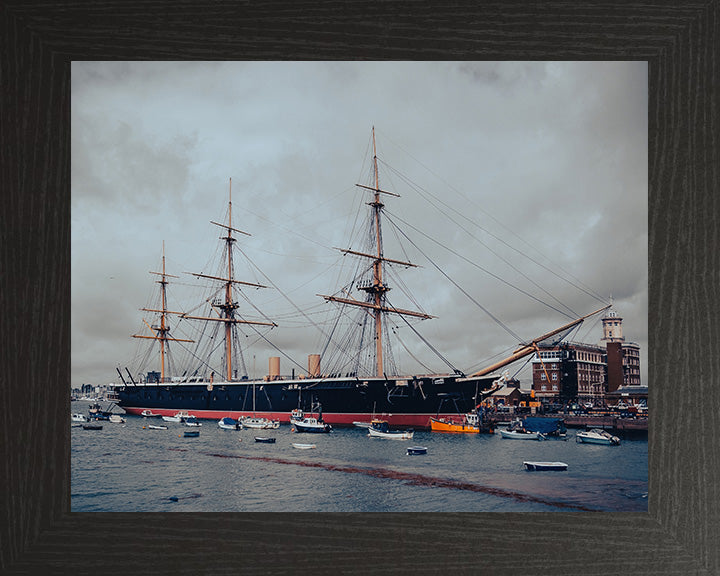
[(361, 424), (149, 414), (597, 436), (259, 423), (310, 424), (539, 466), (521, 435), (178, 417), (192, 421), (153, 427), (116, 419), (78, 418), (304, 446), (381, 429), (228, 423)]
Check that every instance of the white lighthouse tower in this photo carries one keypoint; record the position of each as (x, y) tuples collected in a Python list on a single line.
[(612, 327)]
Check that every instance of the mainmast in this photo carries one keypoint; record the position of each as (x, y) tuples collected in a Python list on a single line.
[(228, 306), (377, 289), (162, 331)]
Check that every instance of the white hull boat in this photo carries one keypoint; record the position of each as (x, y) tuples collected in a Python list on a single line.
[(229, 424), (518, 435), (259, 423), (541, 466), (597, 436), (310, 424), (380, 429)]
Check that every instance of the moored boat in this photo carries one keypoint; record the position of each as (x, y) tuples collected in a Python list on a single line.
[(78, 417), (192, 421), (521, 435), (191, 433), (259, 423), (597, 436), (416, 450), (381, 429), (540, 466), (264, 440), (228, 423), (92, 427), (116, 419), (300, 446), (177, 417), (154, 427), (149, 414), (517, 431)]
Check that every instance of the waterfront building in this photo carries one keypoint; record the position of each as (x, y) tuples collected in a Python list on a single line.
[(588, 373)]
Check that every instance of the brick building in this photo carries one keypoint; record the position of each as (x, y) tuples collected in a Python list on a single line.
[(586, 373)]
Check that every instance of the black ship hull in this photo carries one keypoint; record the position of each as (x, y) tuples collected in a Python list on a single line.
[(403, 402)]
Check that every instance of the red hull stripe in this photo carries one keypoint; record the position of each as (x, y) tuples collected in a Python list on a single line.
[(409, 420)]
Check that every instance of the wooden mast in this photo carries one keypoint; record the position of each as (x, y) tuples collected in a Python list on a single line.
[(164, 328), (377, 289), (227, 306)]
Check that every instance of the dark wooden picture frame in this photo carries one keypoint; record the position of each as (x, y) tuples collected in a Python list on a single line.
[(681, 531)]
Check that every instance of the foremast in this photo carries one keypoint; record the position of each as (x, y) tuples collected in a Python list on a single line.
[(162, 331), (227, 307), (377, 289)]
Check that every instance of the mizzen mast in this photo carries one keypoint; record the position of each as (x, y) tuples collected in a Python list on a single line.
[(162, 331)]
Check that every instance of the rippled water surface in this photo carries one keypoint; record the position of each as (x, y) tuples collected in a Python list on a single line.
[(128, 468)]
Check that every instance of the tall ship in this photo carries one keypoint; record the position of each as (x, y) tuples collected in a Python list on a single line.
[(355, 382)]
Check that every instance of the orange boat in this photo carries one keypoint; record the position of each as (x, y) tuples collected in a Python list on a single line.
[(470, 424)]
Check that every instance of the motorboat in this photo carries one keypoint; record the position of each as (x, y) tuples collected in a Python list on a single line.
[(540, 466), (153, 427), (311, 424), (149, 414), (521, 435), (361, 424), (381, 429), (303, 446), (259, 423), (192, 421), (517, 431), (416, 450), (116, 419), (469, 423), (92, 427), (191, 433), (264, 440), (178, 417), (228, 423), (78, 417), (597, 436)]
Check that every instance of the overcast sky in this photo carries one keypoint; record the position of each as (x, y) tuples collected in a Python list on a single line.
[(547, 159)]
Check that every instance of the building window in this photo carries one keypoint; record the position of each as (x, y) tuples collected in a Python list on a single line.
[(543, 387), (555, 387), (554, 376), (542, 376)]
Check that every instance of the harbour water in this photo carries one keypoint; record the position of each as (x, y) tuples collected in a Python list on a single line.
[(131, 468)]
